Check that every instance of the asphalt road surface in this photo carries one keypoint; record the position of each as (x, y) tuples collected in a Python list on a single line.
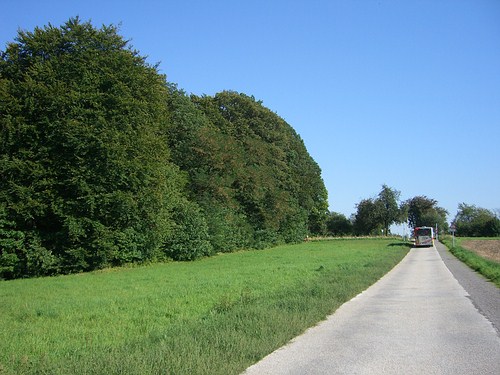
[(483, 294), (417, 319)]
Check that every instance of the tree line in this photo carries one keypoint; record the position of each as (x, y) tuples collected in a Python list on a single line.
[(374, 216), (473, 221), (104, 162)]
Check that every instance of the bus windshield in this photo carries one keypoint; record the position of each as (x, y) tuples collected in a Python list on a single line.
[(424, 236), (423, 232)]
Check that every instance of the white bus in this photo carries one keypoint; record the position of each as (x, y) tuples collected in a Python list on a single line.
[(424, 236)]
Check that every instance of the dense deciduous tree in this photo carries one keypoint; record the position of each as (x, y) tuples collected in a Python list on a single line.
[(338, 224), (475, 221), (85, 169), (103, 162), (375, 215), (366, 219), (423, 211), (387, 207), (263, 169), (189, 238)]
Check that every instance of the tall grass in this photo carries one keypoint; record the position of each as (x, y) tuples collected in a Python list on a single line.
[(486, 267), (213, 316)]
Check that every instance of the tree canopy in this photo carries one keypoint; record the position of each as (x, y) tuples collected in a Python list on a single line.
[(338, 224), (104, 162), (422, 211), (86, 174), (375, 215), (387, 207), (473, 221)]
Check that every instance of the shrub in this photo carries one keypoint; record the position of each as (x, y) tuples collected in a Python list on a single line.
[(189, 237)]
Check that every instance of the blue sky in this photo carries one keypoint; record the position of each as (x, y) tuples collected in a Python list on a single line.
[(403, 93)]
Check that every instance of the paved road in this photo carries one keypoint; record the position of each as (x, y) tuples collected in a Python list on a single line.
[(417, 319), (483, 294)]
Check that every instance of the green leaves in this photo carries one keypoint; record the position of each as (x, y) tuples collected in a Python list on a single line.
[(84, 158), (103, 162), (375, 215), (423, 211), (472, 221), (189, 240), (273, 180)]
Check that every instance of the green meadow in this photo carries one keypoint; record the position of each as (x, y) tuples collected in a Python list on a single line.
[(213, 316)]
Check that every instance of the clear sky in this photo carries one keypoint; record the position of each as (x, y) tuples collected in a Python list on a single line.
[(403, 93)]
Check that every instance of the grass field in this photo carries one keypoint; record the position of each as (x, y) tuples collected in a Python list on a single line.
[(214, 316), (485, 266)]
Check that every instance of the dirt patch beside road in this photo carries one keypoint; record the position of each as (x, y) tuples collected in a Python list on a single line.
[(489, 249)]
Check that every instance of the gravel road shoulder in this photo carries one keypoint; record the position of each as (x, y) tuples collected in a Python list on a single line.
[(483, 294)]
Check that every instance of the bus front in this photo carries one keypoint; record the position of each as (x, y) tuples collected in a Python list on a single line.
[(424, 236)]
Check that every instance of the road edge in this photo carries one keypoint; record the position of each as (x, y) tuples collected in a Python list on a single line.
[(484, 294)]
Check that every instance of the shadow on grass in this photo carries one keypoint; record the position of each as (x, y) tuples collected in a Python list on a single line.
[(407, 244)]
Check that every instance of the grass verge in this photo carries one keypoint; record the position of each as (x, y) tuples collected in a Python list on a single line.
[(214, 316), (486, 267)]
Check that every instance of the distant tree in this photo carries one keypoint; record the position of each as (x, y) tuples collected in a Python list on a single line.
[(338, 225), (472, 221), (387, 207), (375, 215), (366, 219), (423, 211)]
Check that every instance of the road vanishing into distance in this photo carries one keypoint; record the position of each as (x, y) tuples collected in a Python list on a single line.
[(423, 317)]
